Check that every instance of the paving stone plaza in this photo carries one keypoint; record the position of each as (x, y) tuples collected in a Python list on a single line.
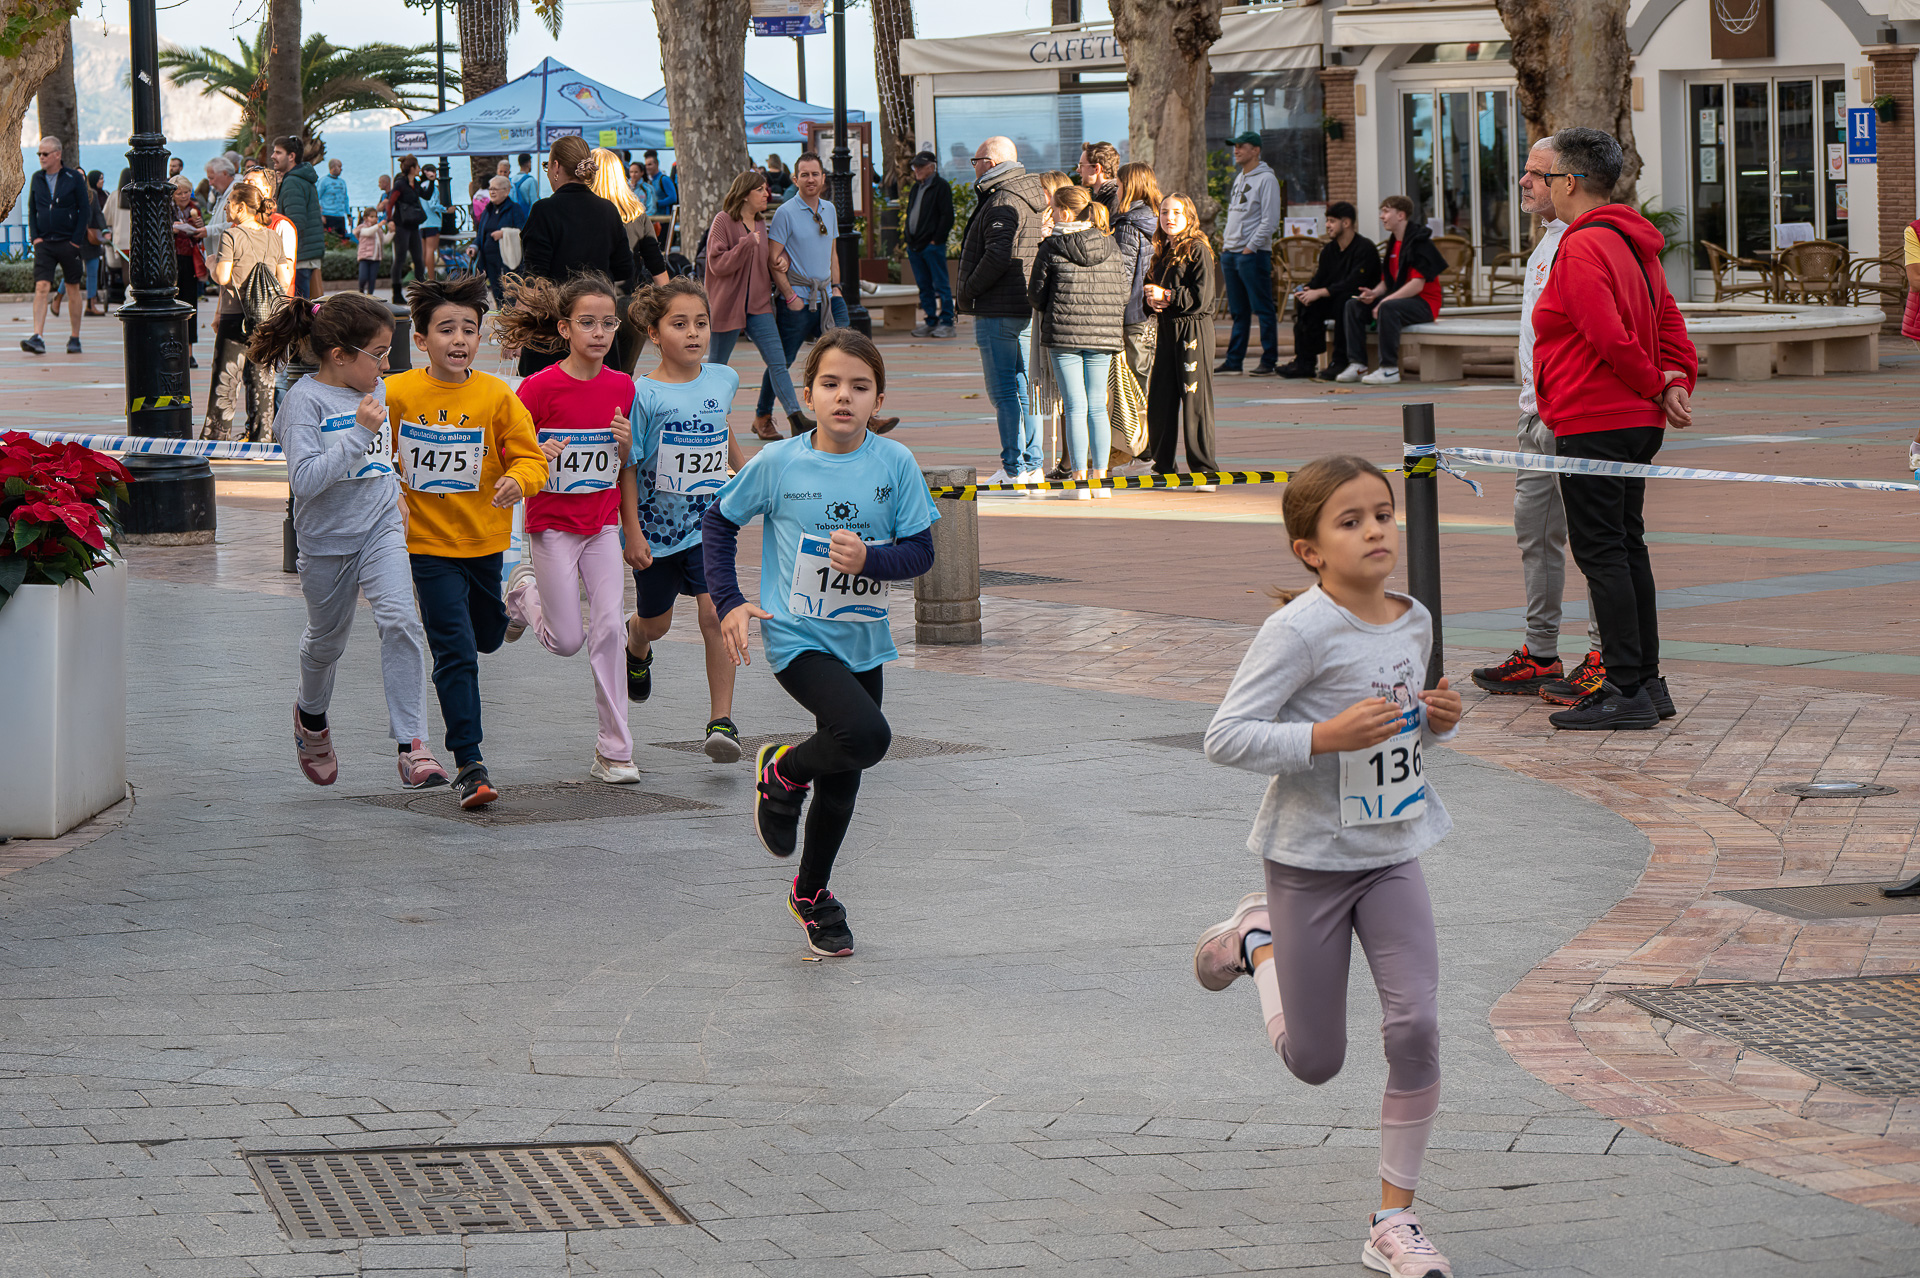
[(1016, 1070)]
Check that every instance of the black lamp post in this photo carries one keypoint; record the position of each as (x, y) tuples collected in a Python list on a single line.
[(848, 242), (171, 499)]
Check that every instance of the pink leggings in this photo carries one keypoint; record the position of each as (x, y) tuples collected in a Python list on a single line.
[(1314, 916), (550, 607)]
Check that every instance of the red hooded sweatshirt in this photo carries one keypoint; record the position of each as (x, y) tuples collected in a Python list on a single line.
[(1607, 327)]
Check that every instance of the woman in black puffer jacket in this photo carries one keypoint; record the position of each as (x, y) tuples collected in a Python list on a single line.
[(1079, 286)]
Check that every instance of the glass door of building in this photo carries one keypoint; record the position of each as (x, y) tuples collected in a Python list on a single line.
[(1763, 154), (1460, 166)]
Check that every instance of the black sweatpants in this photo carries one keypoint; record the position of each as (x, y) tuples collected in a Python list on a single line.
[(1607, 533), (1181, 391), (850, 735), (1310, 330)]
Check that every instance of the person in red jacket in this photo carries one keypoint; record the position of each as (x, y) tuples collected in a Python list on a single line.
[(1613, 368)]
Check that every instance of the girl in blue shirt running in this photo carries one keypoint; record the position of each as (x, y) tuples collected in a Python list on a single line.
[(844, 511)]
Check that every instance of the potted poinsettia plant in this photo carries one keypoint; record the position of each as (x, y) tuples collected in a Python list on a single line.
[(63, 643)]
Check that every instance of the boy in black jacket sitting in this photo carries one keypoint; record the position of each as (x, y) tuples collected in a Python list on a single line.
[(1349, 262)]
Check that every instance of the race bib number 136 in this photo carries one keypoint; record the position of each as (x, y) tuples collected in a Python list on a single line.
[(823, 592), (1383, 783), (378, 459)]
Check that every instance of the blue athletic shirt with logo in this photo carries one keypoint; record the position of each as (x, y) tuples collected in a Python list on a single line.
[(671, 521), (875, 491)]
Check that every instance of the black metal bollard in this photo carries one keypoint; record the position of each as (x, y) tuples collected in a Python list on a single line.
[(1423, 525)]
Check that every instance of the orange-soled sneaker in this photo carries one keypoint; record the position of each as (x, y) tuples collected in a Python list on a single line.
[(1521, 674), (1589, 677)]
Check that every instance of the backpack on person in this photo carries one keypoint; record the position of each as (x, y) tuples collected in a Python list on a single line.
[(260, 296)]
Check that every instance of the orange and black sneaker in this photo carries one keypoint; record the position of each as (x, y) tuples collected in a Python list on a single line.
[(1589, 677), (1519, 675)]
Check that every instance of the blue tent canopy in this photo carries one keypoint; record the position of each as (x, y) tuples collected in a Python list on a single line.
[(772, 116), (528, 113)]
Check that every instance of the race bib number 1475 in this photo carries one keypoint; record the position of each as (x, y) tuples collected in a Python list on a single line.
[(442, 459)]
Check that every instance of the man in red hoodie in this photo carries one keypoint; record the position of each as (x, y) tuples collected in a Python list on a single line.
[(1613, 367)]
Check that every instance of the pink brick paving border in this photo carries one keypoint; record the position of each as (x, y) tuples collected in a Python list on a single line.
[(24, 854)]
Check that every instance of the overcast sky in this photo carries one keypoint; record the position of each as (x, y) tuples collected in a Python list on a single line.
[(611, 40)]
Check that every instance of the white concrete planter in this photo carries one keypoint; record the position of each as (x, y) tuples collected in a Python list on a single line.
[(63, 704)]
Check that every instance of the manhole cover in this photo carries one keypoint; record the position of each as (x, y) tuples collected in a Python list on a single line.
[(394, 1193), (1828, 900), (902, 747), (1179, 741), (1002, 577), (1860, 1032), (539, 804), (1835, 790)]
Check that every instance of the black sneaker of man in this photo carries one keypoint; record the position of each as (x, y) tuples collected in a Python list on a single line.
[(1295, 369), (473, 785), (73, 346), (35, 345), (639, 676), (1521, 674), (1224, 369), (825, 920), (1656, 689), (1587, 678), (1263, 370), (723, 741), (776, 803), (1609, 710)]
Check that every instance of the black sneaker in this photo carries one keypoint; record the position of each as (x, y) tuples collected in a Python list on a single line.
[(1224, 369), (1656, 690), (1060, 473), (1295, 370), (1522, 673), (35, 345), (825, 920), (776, 804), (639, 676), (1608, 710), (723, 741), (73, 346), (473, 785), (1263, 370)]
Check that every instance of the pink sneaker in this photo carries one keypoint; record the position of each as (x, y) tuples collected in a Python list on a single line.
[(1396, 1246), (519, 581), (419, 770), (315, 749), (1218, 960)]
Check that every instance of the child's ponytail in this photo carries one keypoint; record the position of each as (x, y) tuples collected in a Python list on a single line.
[(535, 307), (339, 321)]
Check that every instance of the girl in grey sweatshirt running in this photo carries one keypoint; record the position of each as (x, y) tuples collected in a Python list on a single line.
[(1328, 703)]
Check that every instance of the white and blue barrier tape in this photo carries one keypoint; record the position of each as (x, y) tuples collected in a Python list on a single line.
[(220, 449), (1635, 470)]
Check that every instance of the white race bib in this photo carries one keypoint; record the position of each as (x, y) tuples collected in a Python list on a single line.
[(1385, 783), (823, 592), (442, 459), (590, 462), (379, 458), (691, 461)]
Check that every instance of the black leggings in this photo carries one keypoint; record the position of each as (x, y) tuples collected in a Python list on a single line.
[(850, 736)]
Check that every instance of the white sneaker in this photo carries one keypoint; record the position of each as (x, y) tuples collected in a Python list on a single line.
[(1351, 373), (1913, 456), (1382, 376), (614, 772), (999, 477), (516, 625), (1034, 476)]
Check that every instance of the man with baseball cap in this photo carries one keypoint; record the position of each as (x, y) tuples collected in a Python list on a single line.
[(1246, 256)]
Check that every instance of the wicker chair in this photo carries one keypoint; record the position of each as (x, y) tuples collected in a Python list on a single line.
[(1507, 272), (1295, 258), (1814, 271), (1726, 270), (1865, 291), (1458, 277)]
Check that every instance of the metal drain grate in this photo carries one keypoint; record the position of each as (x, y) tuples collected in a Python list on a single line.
[(1827, 901), (540, 804), (1861, 1032), (902, 747), (1179, 741), (1835, 790), (398, 1193), (1003, 577)]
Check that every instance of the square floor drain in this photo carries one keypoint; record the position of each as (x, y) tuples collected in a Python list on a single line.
[(1003, 577), (902, 747), (539, 804), (1179, 741), (408, 1192), (1858, 1032), (1828, 900)]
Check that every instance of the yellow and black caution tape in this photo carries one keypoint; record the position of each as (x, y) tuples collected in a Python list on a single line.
[(1196, 479), (160, 401)]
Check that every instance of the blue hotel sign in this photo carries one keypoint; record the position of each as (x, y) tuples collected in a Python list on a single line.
[(1863, 144)]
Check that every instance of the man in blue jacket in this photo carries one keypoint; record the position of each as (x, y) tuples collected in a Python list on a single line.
[(334, 205), (59, 210)]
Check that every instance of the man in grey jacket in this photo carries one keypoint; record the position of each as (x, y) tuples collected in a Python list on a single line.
[(996, 255), (1246, 256)]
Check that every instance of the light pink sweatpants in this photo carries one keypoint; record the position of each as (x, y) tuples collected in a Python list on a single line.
[(1314, 916), (549, 606)]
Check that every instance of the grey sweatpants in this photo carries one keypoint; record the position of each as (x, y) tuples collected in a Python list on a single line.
[(332, 585), (1314, 915), (1540, 526)]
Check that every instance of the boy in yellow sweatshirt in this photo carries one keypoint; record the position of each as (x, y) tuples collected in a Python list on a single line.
[(467, 452)]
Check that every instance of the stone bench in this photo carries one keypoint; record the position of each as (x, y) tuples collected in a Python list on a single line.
[(898, 305)]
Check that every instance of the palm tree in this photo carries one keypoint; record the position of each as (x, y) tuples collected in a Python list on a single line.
[(333, 81), (484, 26)]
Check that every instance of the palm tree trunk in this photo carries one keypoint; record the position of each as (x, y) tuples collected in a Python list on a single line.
[(892, 23), (59, 104), (20, 79), (1168, 80), (1572, 67), (284, 112), (703, 50), (483, 27)]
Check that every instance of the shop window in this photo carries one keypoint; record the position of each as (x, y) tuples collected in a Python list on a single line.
[(1284, 108), (1048, 129)]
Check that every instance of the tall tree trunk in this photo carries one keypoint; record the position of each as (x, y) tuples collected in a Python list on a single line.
[(1168, 82), (483, 28), (285, 114), (703, 54), (1574, 69), (21, 75), (59, 104), (892, 23)]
